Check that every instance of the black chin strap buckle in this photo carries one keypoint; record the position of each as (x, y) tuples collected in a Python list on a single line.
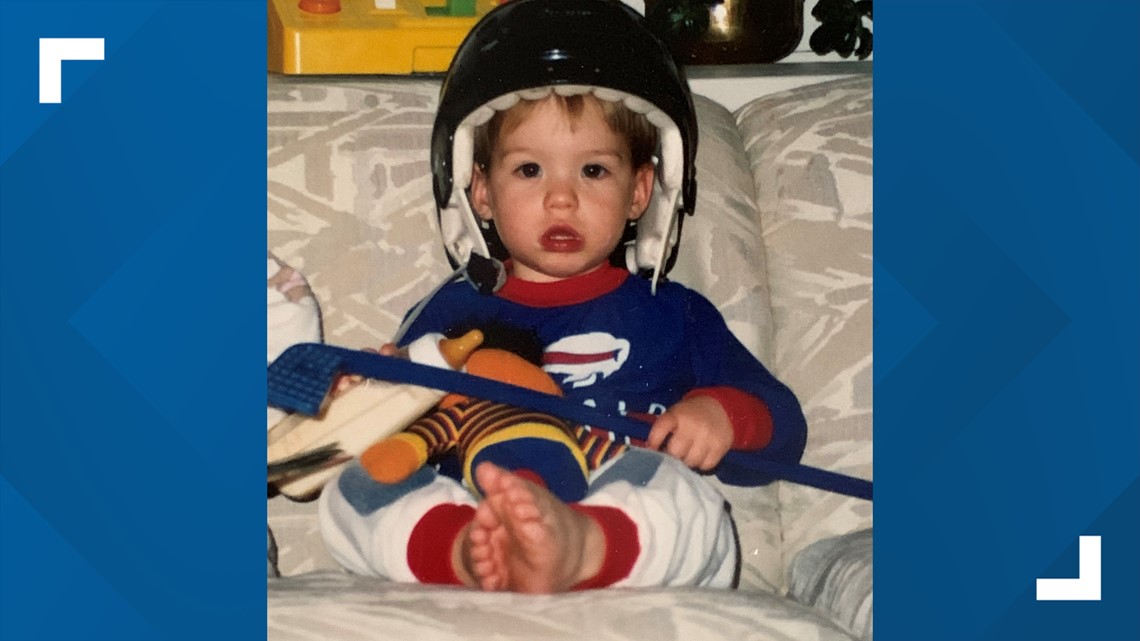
[(486, 275)]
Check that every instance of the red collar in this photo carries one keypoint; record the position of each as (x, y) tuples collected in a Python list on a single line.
[(570, 291)]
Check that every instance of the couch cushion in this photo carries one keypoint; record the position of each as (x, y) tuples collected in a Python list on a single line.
[(810, 153), (349, 198), (721, 252), (722, 256), (337, 606), (836, 576), (350, 206)]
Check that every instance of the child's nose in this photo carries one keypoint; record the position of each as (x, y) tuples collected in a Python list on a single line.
[(561, 195)]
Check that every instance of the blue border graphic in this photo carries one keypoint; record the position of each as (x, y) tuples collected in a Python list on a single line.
[(131, 235), (1007, 313), (1008, 241)]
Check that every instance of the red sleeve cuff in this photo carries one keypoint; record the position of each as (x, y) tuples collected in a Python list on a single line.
[(750, 418)]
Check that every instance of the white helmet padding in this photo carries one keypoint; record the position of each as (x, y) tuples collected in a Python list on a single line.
[(656, 230)]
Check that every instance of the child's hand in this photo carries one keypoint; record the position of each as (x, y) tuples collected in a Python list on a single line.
[(346, 382), (696, 430)]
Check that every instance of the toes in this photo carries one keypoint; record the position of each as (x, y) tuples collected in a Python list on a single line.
[(516, 541), (485, 517), (490, 476), (483, 570), (479, 541)]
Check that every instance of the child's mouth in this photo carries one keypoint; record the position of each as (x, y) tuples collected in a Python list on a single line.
[(561, 238)]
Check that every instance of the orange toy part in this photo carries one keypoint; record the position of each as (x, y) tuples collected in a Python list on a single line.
[(501, 365), (456, 351), (511, 368), (393, 459)]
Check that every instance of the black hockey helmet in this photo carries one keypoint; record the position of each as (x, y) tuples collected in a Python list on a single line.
[(524, 49)]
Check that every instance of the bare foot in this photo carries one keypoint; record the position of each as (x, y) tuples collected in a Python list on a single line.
[(524, 539)]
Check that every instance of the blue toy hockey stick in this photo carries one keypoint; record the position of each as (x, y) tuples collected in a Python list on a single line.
[(301, 377)]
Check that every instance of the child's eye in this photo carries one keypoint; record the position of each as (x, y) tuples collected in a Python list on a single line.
[(528, 170), (594, 171)]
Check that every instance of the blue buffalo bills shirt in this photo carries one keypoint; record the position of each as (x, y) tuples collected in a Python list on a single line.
[(613, 344)]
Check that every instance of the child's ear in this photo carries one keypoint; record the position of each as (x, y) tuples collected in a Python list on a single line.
[(479, 199), (643, 178)]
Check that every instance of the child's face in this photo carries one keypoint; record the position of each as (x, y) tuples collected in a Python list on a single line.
[(560, 191)]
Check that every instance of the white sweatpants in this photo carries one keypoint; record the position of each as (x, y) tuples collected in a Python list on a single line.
[(685, 534)]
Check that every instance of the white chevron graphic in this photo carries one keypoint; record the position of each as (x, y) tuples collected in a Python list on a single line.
[(53, 51), (1086, 587)]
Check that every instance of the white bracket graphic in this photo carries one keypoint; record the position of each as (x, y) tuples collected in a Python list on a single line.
[(53, 51), (1086, 587)]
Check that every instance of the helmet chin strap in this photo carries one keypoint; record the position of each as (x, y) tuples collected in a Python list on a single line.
[(459, 227), (663, 253), (486, 275)]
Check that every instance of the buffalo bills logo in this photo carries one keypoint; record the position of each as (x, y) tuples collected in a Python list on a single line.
[(585, 357)]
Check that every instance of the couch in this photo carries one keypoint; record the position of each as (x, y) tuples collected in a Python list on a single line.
[(780, 242)]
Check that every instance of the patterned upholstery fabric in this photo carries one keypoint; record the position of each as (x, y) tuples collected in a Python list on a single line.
[(722, 256), (349, 205), (350, 198), (835, 576), (810, 150), (333, 606)]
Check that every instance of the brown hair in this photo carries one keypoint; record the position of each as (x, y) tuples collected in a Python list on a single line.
[(633, 127)]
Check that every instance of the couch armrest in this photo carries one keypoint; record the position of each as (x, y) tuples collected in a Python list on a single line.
[(810, 151), (835, 577)]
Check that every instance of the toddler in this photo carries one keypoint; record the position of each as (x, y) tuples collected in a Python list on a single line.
[(568, 154)]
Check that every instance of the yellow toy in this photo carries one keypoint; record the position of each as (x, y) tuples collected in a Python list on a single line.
[(368, 36)]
